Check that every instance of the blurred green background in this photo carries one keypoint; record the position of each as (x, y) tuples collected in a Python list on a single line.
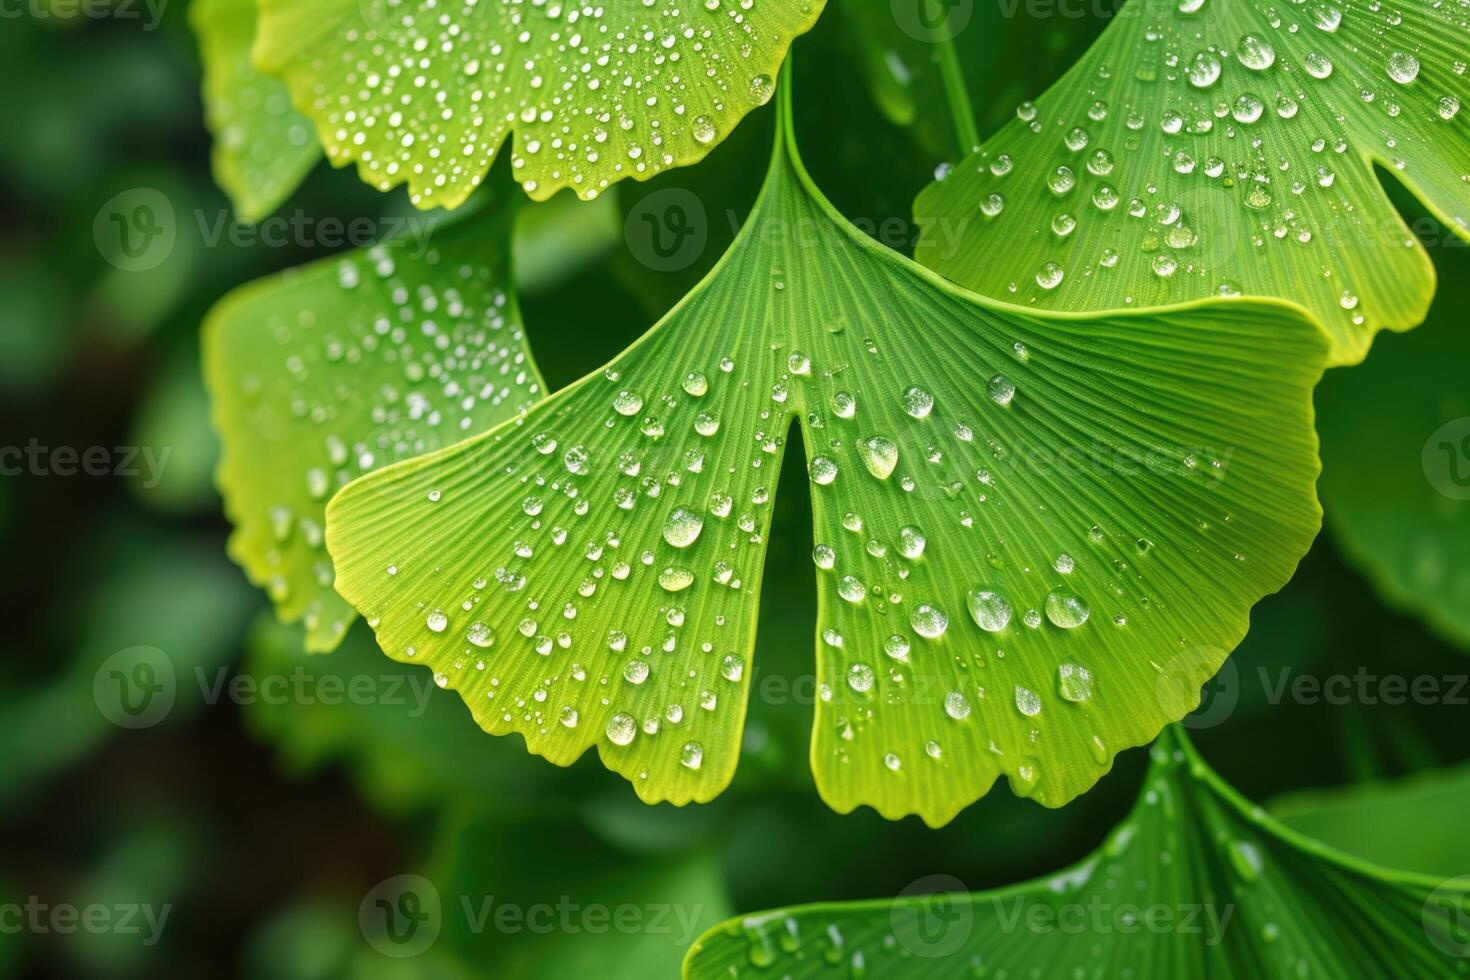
[(258, 827)]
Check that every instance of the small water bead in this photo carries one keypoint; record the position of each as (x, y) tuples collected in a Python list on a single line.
[(1348, 300), (1061, 180), (1204, 70), (1026, 111), (1063, 225), (1066, 609), (797, 362), (1403, 67), (635, 671), (1074, 682), (437, 621), (675, 579), (761, 89), (1064, 563), (621, 728), (1105, 197), (1027, 701), (704, 129), (1100, 163), (1247, 109), (1255, 54), (706, 424), (911, 541), (1317, 65), (956, 705), (823, 470), (1049, 276), (1001, 389), (480, 635), (824, 557), (860, 678), (1032, 618), (929, 621), (990, 610), (627, 403), (692, 755), (892, 762), (992, 205), (932, 749), (568, 716), (1164, 265), (1076, 139), (897, 647), (917, 402), (879, 454), (1327, 17), (683, 526), (851, 588), (695, 384), (1001, 165), (1449, 107)]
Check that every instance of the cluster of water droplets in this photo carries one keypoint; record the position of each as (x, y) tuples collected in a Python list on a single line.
[(390, 358), (427, 93)]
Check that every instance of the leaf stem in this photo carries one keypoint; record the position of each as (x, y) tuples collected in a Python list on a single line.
[(958, 97)]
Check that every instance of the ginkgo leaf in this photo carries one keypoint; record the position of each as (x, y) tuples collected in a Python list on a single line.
[(1195, 882), (1396, 459), (1025, 524), (1224, 147), (262, 147), (424, 94), (326, 372)]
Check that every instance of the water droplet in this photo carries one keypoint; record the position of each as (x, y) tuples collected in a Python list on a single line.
[(1403, 67), (692, 755), (879, 454), (1027, 701), (480, 635), (621, 728), (990, 610), (682, 527), (860, 677), (917, 402), (1066, 609), (1074, 682), (1049, 276), (929, 621), (1255, 54), (956, 705), (437, 621), (1001, 389)]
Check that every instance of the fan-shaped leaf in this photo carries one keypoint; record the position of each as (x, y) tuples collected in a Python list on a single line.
[(323, 373), (1196, 882), (424, 93), (1224, 146), (1024, 522), (262, 147)]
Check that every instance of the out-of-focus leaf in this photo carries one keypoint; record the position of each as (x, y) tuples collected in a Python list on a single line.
[(1408, 824), (172, 427), (262, 147), (1196, 882), (323, 373)]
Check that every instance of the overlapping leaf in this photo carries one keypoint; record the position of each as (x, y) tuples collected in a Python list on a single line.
[(1221, 147), (262, 147), (424, 93), (1196, 882), (324, 373), (1396, 459), (1036, 535)]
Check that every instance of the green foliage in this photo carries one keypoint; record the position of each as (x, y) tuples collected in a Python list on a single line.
[(1396, 458), (595, 94), (1195, 882), (1224, 148), (262, 147), (1022, 576), (324, 373)]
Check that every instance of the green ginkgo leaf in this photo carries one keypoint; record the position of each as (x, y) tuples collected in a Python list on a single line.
[(424, 93), (262, 147), (1195, 882), (1036, 535), (1224, 147), (1396, 459), (326, 372)]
